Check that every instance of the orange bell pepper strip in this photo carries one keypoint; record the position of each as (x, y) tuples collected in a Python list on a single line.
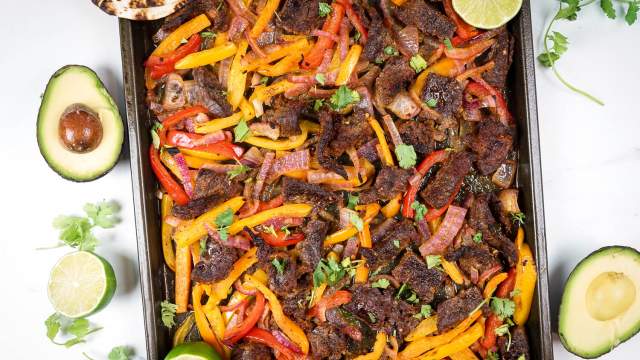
[(264, 17), (297, 47), (220, 289), (464, 30), (237, 79), (206, 57), (332, 26), (290, 143), (183, 277), (426, 327), (184, 31), (398, 2), (492, 284), (202, 156), (452, 270), (204, 328), (167, 243), (465, 354), (193, 231), (392, 207), (219, 124), (287, 210), (461, 342), (387, 158), (526, 276), (362, 273), (317, 294), (378, 348), (493, 321), (371, 210), (348, 65), (286, 65)]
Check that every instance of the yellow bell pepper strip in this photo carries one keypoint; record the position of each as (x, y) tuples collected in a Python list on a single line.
[(371, 210), (299, 46), (261, 276), (195, 252), (280, 145), (434, 224), (365, 236), (167, 243), (204, 328), (213, 314), (183, 277), (426, 327), (195, 230), (264, 93), (219, 124), (333, 256), (221, 38), (392, 207), (317, 293), (348, 65), (492, 284), (220, 290), (184, 31), (362, 273), (183, 330), (203, 154), (452, 270), (462, 342), (248, 111), (464, 354), (265, 16), (398, 2), (289, 327), (287, 210), (286, 65), (525, 282), (424, 344), (206, 57), (519, 238), (378, 348), (196, 162), (387, 158), (237, 80)]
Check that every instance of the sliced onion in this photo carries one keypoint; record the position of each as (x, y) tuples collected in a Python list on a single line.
[(509, 201), (326, 61), (282, 339), (321, 176), (223, 70), (258, 106), (343, 44), (254, 45), (184, 173), (345, 216), (280, 221), (423, 229), (393, 130), (296, 90), (447, 231), (365, 102), (262, 174), (503, 177), (470, 51), (210, 138), (351, 249), (318, 32), (489, 273), (408, 38), (252, 157), (403, 106), (238, 242), (265, 129), (237, 27), (299, 160), (172, 220), (360, 170)]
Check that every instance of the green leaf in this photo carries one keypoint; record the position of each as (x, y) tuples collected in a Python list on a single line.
[(271, 230), (570, 12), (121, 353), (418, 63), (155, 138), (503, 308), (492, 355), (264, 80), (518, 218), (522, 357), (75, 231), (225, 218), (607, 7), (207, 34), (103, 213), (396, 243), (237, 171), (425, 312), (53, 325), (502, 329), (203, 245), (352, 201), (421, 210), (632, 13), (320, 78), (324, 9), (433, 261), (79, 327), (515, 292), (447, 43), (560, 43), (343, 97), (168, 313), (406, 156), (391, 51), (431, 103), (477, 237), (356, 221), (318, 104), (241, 131), (381, 283), (279, 265), (547, 59)]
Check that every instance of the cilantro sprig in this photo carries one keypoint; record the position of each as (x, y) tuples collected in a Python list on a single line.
[(223, 221), (343, 97), (76, 231), (121, 353), (79, 329), (168, 313)]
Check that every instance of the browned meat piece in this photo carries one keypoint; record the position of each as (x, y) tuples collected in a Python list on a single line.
[(210, 183), (458, 308), (519, 345), (379, 38), (210, 93), (492, 144), (311, 247), (216, 11), (283, 282), (215, 263), (481, 218), (391, 245), (286, 115), (327, 132), (295, 307), (251, 351), (426, 18), (447, 180), (396, 76), (302, 192), (502, 54), (350, 132), (474, 259), (327, 342), (300, 16), (390, 182), (413, 271), (368, 151), (264, 250), (418, 134), (195, 207), (447, 93)]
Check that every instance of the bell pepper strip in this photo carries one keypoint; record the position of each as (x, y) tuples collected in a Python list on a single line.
[(461, 342), (382, 141), (371, 210), (465, 354), (392, 207), (237, 79), (183, 277), (297, 47), (175, 190), (421, 345), (264, 17), (435, 213), (214, 316), (204, 328), (161, 65), (264, 93), (317, 294), (206, 57), (451, 269), (247, 110), (334, 300), (365, 236), (195, 252), (281, 238), (195, 230), (443, 67), (234, 335), (289, 327), (378, 348), (288, 210), (266, 338), (464, 30), (434, 224), (183, 330), (493, 283), (184, 31), (331, 26), (501, 105), (196, 162), (525, 282), (291, 143), (362, 273), (398, 2), (415, 182), (214, 125), (476, 71), (188, 140), (470, 51), (493, 321), (355, 19), (426, 327), (175, 118), (167, 243), (285, 65), (202, 157), (348, 65), (170, 163), (221, 289)]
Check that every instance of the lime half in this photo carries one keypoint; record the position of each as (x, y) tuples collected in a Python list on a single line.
[(487, 14), (80, 284), (193, 351)]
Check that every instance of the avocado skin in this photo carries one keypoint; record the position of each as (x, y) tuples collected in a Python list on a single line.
[(604, 251), (99, 85)]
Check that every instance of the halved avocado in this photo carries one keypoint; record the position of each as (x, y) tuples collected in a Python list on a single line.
[(600, 306), (79, 129)]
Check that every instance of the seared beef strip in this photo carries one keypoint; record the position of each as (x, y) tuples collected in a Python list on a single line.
[(285, 114), (300, 16), (249, 350), (210, 183), (396, 76), (327, 342), (327, 132), (379, 38), (447, 93), (283, 282), (311, 248), (519, 345), (447, 180), (492, 144), (426, 18), (475, 259), (458, 308), (417, 134), (195, 207), (481, 219), (210, 93), (390, 182), (350, 132), (391, 245), (501, 54), (413, 271), (215, 263), (297, 191)]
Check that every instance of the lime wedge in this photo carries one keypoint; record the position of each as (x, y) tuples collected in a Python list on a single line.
[(487, 14), (193, 351), (80, 284)]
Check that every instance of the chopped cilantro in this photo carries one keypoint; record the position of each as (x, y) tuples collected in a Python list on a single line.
[(223, 221), (432, 103), (477, 237), (406, 156), (447, 43), (208, 34), (421, 210), (320, 78), (418, 63), (433, 261), (425, 312), (518, 218), (318, 104), (237, 171), (352, 201), (279, 265), (396, 243), (356, 221), (391, 51), (380, 283), (241, 131), (168, 313), (324, 9), (503, 308), (343, 97)]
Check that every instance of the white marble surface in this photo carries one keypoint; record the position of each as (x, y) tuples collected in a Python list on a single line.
[(591, 163)]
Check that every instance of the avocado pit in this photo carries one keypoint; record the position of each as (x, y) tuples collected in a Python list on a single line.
[(80, 129), (609, 295)]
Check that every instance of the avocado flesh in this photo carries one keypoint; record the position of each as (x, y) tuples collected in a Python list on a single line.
[(600, 306), (76, 84)]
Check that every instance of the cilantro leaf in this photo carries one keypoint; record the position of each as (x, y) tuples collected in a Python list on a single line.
[(607, 7), (570, 12), (503, 308), (433, 261), (425, 312), (518, 218), (203, 244), (406, 156), (53, 325), (208, 34), (421, 210), (75, 231), (431, 103), (320, 78), (343, 97), (356, 221), (447, 43), (632, 13), (515, 293), (223, 221), (318, 104), (396, 243), (237, 171), (492, 355), (547, 59), (391, 51), (121, 353), (241, 132), (560, 42), (477, 237), (352, 201), (418, 63), (155, 138), (279, 265), (168, 313), (80, 328), (324, 9), (102, 213), (380, 283)]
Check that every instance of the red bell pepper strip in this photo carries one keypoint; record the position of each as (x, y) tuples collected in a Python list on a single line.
[(175, 118), (281, 238), (234, 335), (332, 26), (434, 213), (271, 204), (160, 65), (494, 322), (264, 337), (501, 105), (422, 169), (172, 187), (187, 140), (464, 30), (355, 19), (338, 298)]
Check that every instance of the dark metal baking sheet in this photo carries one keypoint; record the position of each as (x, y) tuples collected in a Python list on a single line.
[(136, 44)]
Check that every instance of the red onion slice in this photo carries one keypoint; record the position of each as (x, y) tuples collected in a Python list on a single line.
[(262, 174), (184, 173), (446, 232), (393, 130)]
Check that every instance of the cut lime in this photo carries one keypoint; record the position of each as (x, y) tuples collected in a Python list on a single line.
[(193, 351), (487, 14), (80, 284)]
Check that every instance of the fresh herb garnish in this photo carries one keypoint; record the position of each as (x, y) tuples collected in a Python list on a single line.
[(503, 308), (477, 237), (406, 156), (320, 78), (432, 103), (504, 330), (121, 353), (425, 312), (155, 138), (203, 245), (76, 231), (447, 43), (241, 131), (279, 265), (413, 298), (357, 36), (207, 34), (352, 200), (237, 171), (343, 97), (168, 313), (264, 80), (356, 221), (391, 51), (285, 230), (324, 9), (418, 63), (434, 261), (318, 104), (223, 221), (396, 243), (271, 230), (80, 328), (515, 293), (518, 218), (421, 210), (380, 283), (330, 271), (492, 355)]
